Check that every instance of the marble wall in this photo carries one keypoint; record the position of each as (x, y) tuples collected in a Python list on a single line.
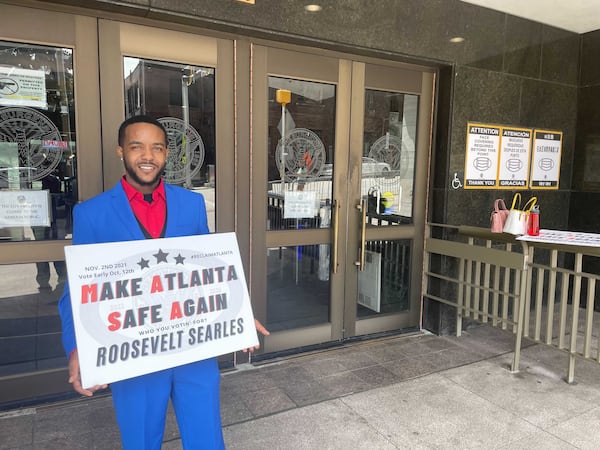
[(584, 216), (585, 193)]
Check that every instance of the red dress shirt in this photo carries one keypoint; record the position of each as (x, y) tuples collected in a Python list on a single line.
[(151, 215)]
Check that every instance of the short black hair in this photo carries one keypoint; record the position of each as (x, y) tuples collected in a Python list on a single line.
[(139, 119)]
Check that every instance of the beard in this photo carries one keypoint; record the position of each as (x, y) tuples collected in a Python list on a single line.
[(153, 182)]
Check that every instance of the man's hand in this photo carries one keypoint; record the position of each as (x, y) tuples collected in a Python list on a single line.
[(262, 330), (75, 377)]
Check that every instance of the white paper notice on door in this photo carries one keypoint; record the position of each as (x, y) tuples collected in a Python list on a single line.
[(300, 205), (25, 209)]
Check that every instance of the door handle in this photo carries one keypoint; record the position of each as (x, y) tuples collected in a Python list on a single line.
[(362, 207), (336, 231)]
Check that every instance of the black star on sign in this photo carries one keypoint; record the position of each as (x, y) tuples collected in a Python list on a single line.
[(179, 259), (144, 263), (160, 256)]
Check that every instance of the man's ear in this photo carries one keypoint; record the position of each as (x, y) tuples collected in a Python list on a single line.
[(120, 151)]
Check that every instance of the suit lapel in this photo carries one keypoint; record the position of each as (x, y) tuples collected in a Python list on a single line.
[(123, 215), (172, 210)]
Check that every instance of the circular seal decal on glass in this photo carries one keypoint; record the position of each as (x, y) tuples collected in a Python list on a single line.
[(178, 164), (395, 152), (29, 130), (302, 153)]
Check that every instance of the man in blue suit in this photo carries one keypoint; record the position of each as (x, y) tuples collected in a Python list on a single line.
[(142, 206)]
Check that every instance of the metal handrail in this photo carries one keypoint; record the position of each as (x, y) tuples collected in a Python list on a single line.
[(541, 290)]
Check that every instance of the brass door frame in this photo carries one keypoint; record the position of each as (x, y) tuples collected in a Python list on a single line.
[(69, 31)]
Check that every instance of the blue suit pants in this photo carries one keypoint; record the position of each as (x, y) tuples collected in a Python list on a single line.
[(141, 407)]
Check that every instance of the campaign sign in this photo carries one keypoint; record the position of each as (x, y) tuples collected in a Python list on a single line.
[(143, 306)]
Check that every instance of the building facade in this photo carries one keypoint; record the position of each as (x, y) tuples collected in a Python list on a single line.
[(328, 191)]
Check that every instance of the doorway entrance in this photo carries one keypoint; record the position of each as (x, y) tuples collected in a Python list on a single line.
[(339, 193)]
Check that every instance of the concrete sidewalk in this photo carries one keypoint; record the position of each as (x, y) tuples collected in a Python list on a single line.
[(405, 392)]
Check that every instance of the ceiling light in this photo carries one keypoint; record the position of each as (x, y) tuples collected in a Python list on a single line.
[(313, 8), (457, 40)]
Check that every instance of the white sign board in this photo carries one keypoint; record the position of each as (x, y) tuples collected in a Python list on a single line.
[(545, 164), (144, 306), (513, 170), (481, 161), (24, 209), (22, 87), (300, 205)]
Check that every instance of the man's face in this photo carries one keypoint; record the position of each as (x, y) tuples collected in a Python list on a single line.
[(144, 154)]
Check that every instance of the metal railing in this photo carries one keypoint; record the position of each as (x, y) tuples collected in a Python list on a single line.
[(538, 291)]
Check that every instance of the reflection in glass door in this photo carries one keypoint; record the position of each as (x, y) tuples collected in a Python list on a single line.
[(387, 180), (301, 141), (388, 160), (37, 140), (182, 98), (38, 189)]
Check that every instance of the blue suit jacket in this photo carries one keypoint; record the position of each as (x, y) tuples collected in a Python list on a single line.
[(108, 217)]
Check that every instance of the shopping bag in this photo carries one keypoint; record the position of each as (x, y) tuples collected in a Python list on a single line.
[(516, 222), (498, 216), (527, 212)]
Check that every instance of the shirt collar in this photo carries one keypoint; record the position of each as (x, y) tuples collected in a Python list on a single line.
[(132, 193)]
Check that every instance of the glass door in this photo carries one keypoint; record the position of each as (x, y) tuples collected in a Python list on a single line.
[(347, 146), (300, 198), (298, 116), (390, 127)]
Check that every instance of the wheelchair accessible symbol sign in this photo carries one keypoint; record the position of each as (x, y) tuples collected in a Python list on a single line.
[(456, 183)]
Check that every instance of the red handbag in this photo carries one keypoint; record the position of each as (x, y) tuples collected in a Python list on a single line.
[(498, 216)]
